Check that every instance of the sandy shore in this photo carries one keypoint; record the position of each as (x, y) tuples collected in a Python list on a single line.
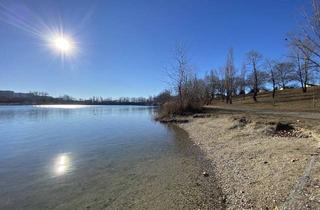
[(257, 166)]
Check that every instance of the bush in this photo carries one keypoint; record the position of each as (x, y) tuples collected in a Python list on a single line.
[(172, 108)]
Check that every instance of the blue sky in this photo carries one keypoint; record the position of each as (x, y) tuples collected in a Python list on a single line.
[(124, 45)]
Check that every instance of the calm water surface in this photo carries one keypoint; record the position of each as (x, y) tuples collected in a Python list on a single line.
[(97, 157)]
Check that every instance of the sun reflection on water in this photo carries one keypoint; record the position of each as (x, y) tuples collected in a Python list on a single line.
[(62, 164), (62, 106)]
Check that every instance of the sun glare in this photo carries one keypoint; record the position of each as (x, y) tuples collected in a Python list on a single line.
[(62, 44), (62, 164)]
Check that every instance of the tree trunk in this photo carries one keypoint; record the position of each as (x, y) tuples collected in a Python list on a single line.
[(255, 88), (305, 76), (273, 96), (244, 96), (273, 87)]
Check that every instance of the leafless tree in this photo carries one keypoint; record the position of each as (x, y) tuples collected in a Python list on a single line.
[(221, 85), (308, 41), (229, 76), (284, 73), (179, 73), (197, 92), (242, 81), (270, 65), (212, 81), (303, 66), (163, 97), (254, 59)]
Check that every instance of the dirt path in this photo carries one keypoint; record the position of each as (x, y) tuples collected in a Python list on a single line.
[(305, 115)]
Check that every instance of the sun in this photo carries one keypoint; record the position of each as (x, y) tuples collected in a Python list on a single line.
[(62, 44)]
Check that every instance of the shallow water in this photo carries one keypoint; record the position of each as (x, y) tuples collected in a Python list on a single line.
[(97, 157)]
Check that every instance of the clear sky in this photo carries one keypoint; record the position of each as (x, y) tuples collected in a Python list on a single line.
[(124, 45)]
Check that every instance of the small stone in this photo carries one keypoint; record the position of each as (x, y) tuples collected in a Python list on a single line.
[(294, 160), (205, 174)]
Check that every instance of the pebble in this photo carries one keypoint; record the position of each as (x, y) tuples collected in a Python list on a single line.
[(205, 174)]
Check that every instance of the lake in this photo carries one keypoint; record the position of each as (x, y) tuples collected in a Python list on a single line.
[(98, 157)]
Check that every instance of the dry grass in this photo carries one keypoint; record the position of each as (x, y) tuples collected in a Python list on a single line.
[(288, 99), (173, 108)]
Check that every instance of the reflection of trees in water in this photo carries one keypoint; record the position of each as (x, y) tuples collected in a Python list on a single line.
[(123, 110), (32, 113), (23, 112), (38, 113)]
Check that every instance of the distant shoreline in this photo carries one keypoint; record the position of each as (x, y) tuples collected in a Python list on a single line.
[(29, 104), (8, 97)]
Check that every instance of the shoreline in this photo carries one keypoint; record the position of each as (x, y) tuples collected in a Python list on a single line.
[(210, 193), (257, 167)]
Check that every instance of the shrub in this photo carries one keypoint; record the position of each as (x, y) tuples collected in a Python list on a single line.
[(173, 108)]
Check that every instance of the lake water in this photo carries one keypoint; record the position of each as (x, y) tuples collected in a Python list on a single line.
[(98, 157)]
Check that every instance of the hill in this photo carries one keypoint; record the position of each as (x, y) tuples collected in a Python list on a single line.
[(286, 100)]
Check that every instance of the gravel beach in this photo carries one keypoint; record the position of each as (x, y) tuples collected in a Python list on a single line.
[(260, 161)]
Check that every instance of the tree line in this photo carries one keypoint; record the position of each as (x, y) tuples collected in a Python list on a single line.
[(300, 68), (35, 97)]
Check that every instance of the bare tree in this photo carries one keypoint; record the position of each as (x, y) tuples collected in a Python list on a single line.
[(163, 97), (270, 65), (284, 73), (308, 41), (229, 76), (303, 66), (179, 73), (242, 81), (221, 88), (254, 59), (212, 81), (197, 93)]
